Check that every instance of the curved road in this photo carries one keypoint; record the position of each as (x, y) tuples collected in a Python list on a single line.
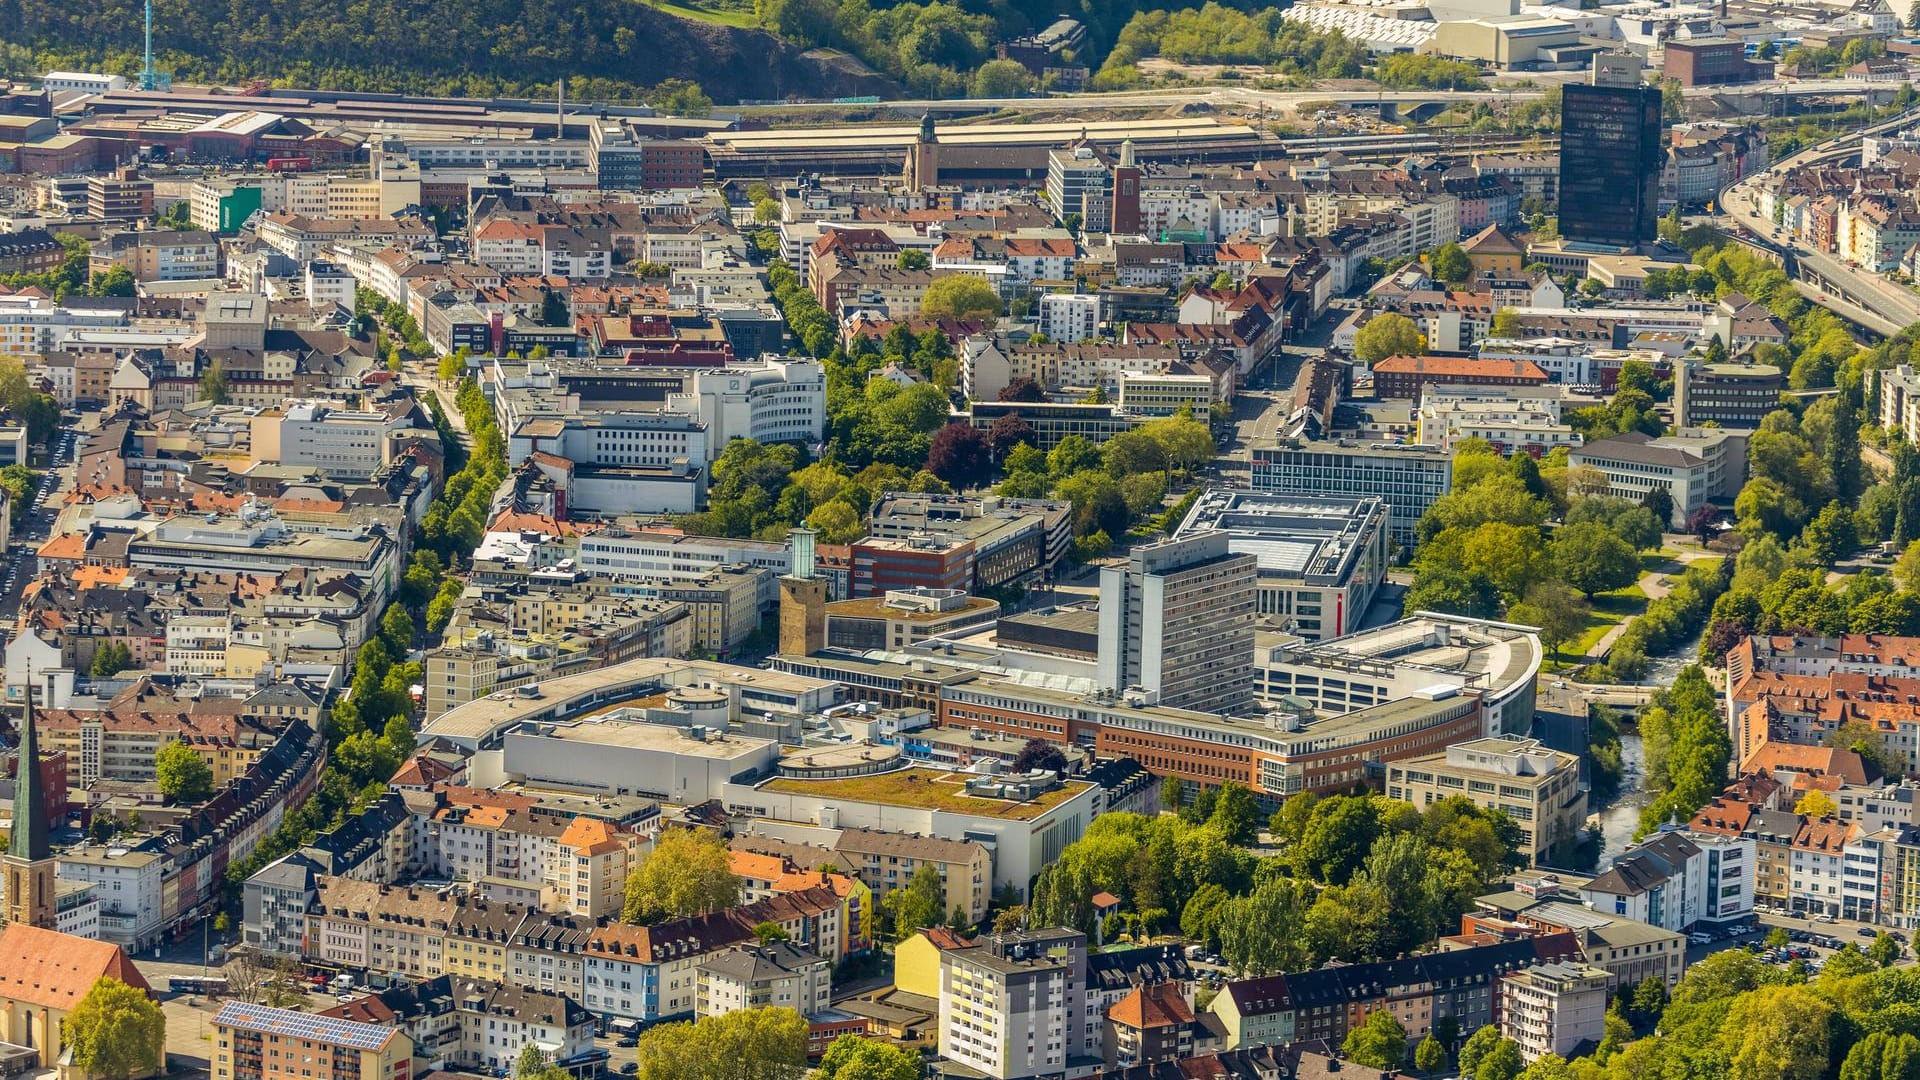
[(1887, 307)]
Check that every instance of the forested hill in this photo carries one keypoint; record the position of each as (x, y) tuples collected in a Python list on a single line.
[(606, 49), (614, 50)]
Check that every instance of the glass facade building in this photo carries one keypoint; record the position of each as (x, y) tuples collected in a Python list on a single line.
[(1610, 159)]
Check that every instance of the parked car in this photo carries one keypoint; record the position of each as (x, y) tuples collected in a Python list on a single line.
[(1865, 931)]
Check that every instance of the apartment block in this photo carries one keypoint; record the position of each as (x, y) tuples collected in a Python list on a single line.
[(1536, 786), (1554, 1008), (158, 255), (1014, 1005), (776, 975), (256, 1042), (1460, 983)]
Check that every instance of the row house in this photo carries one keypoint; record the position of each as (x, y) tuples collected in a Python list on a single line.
[(1876, 231), (155, 886), (473, 1024), (895, 292), (1021, 259), (1419, 991), (883, 861), (1779, 714), (767, 876), (1812, 654)]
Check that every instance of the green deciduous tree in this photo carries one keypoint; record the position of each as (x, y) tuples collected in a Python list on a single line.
[(922, 903), (1450, 264), (1236, 814), (687, 872), (111, 659), (181, 774), (750, 1044), (1830, 536), (851, 1057), (1556, 608), (681, 97), (1475, 1049), (1592, 558), (1776, 1033), (115, 1031), (1388, 334), (961, 296), (213, 384), (1002, 79), (1502, 1061), (1379, 1043)]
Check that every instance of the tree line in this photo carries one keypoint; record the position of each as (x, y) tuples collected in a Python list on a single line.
[(369, 730)]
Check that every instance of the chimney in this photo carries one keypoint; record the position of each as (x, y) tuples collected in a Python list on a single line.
[(560, 105)]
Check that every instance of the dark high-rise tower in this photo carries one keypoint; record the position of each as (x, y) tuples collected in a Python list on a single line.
[(1610, 156)]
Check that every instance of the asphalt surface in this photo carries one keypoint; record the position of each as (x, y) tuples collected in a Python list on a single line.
[(55, 481)]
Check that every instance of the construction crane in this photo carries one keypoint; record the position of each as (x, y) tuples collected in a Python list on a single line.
[(149, 78)]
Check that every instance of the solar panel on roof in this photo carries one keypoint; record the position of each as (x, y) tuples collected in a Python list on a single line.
[(299, 1025)]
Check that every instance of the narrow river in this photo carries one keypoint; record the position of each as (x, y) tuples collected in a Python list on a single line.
[(1621, 817)]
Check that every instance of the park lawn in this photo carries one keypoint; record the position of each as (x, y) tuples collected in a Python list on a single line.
[(700, 13), (1610, 609), (1662, 561)]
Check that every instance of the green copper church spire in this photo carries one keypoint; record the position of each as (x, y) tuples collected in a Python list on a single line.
[(29, 838)]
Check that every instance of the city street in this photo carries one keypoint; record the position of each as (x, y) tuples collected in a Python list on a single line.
[(1850, 291), (49, 495)]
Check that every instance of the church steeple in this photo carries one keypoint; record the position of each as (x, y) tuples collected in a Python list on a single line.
[(27, 867), (29, 836)]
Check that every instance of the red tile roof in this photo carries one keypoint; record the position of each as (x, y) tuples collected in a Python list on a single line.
[(55, 970), (1155, 1006), (1461, 366)]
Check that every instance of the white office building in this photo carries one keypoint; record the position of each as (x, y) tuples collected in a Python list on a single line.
[(1696, 467), (1321, 558), (1409, 478), (771, 400), (1177, 622), (346, 443)]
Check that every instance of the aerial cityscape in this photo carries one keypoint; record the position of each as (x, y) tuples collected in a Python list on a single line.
[(944, 540)]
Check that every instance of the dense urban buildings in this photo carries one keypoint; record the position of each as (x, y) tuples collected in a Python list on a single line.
[(515, 577)]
